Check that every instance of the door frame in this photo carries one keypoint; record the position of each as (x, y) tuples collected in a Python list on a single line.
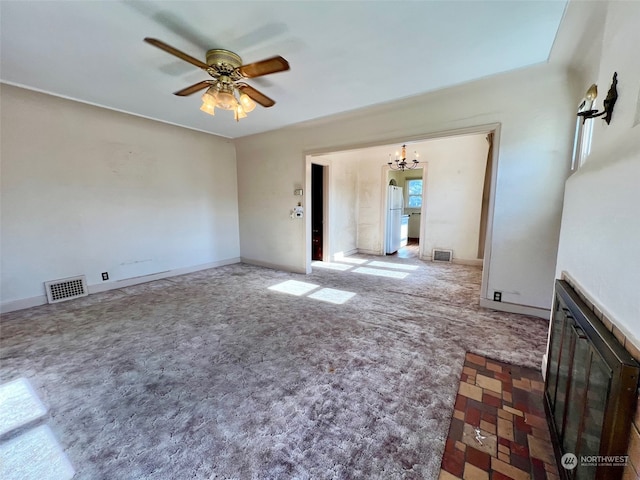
[(326, 211)]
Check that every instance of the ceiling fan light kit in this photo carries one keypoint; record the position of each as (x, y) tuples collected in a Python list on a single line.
[(226, 91), (247, 104), (208, 108)]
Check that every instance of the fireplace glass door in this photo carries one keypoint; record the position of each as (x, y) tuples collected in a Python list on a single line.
[(577, 391), (589, 390), (587, 395)]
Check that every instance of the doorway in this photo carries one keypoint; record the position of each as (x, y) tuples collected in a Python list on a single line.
[(368, 212), (317, 211), (411, 186)]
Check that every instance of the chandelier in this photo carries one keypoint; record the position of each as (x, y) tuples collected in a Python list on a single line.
[(400, 163), (224, 95)]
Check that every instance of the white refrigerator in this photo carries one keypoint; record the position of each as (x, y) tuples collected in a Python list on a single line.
[(395, 202)]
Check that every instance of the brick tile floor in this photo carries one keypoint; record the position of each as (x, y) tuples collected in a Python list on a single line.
[(498, 430)]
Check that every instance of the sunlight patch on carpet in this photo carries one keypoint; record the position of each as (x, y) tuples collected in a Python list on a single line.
[(399, 266), (293, 287), (332, 295), (34, 455), (380, 273), (19, 405), (354, 261), (28, 452), (331, 265)]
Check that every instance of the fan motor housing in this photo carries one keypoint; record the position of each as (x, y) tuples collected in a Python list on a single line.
[(217, 57)]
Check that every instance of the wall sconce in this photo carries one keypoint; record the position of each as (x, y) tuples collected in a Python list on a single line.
[(609, 102)]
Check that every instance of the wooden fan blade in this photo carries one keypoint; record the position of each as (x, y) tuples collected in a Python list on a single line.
[(264, 67), (255, 95), (174, 51), (193, 88)]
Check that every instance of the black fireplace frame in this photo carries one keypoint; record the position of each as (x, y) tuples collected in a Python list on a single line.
[(574, 319)]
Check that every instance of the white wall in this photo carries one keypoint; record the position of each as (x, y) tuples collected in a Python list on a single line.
[(343, 202), (534, 147), (87, 190), (372, 202), (350, 224), (455, 180), (344, 206), (600, 235)]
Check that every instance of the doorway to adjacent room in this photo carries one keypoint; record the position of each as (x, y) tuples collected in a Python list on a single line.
[(317, 211), (455, 216)]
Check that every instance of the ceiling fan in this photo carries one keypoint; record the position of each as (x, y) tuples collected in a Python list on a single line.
[(227, 90)]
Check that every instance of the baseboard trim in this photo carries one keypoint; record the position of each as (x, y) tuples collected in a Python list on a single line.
[(13, 305), (364, 251), (23, 303), (273, 266), (515, 308), (128, 282), (474, 262), (341, 255)]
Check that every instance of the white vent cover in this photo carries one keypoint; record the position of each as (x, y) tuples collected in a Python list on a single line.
[(442, 255), (66, 289)]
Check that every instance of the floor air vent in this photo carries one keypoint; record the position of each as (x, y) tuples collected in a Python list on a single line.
[(442, 255), (66, 289)]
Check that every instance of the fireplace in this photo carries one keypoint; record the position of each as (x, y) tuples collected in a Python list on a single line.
[(590, 391)]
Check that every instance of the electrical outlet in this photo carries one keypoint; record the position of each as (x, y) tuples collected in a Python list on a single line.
[(497, 296), (105, 276)]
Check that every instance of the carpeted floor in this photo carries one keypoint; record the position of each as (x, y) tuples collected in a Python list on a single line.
[(214, 375)]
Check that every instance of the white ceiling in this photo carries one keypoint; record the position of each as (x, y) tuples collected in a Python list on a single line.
[(344, 55)]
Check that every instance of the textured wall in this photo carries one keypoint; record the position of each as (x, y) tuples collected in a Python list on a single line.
[(87, 190), (455, 179)]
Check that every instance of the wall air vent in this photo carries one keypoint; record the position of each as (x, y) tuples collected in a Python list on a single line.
[(442, 255), (66, 289)]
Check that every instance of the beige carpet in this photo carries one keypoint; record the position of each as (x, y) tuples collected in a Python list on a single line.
[(216, 375)]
